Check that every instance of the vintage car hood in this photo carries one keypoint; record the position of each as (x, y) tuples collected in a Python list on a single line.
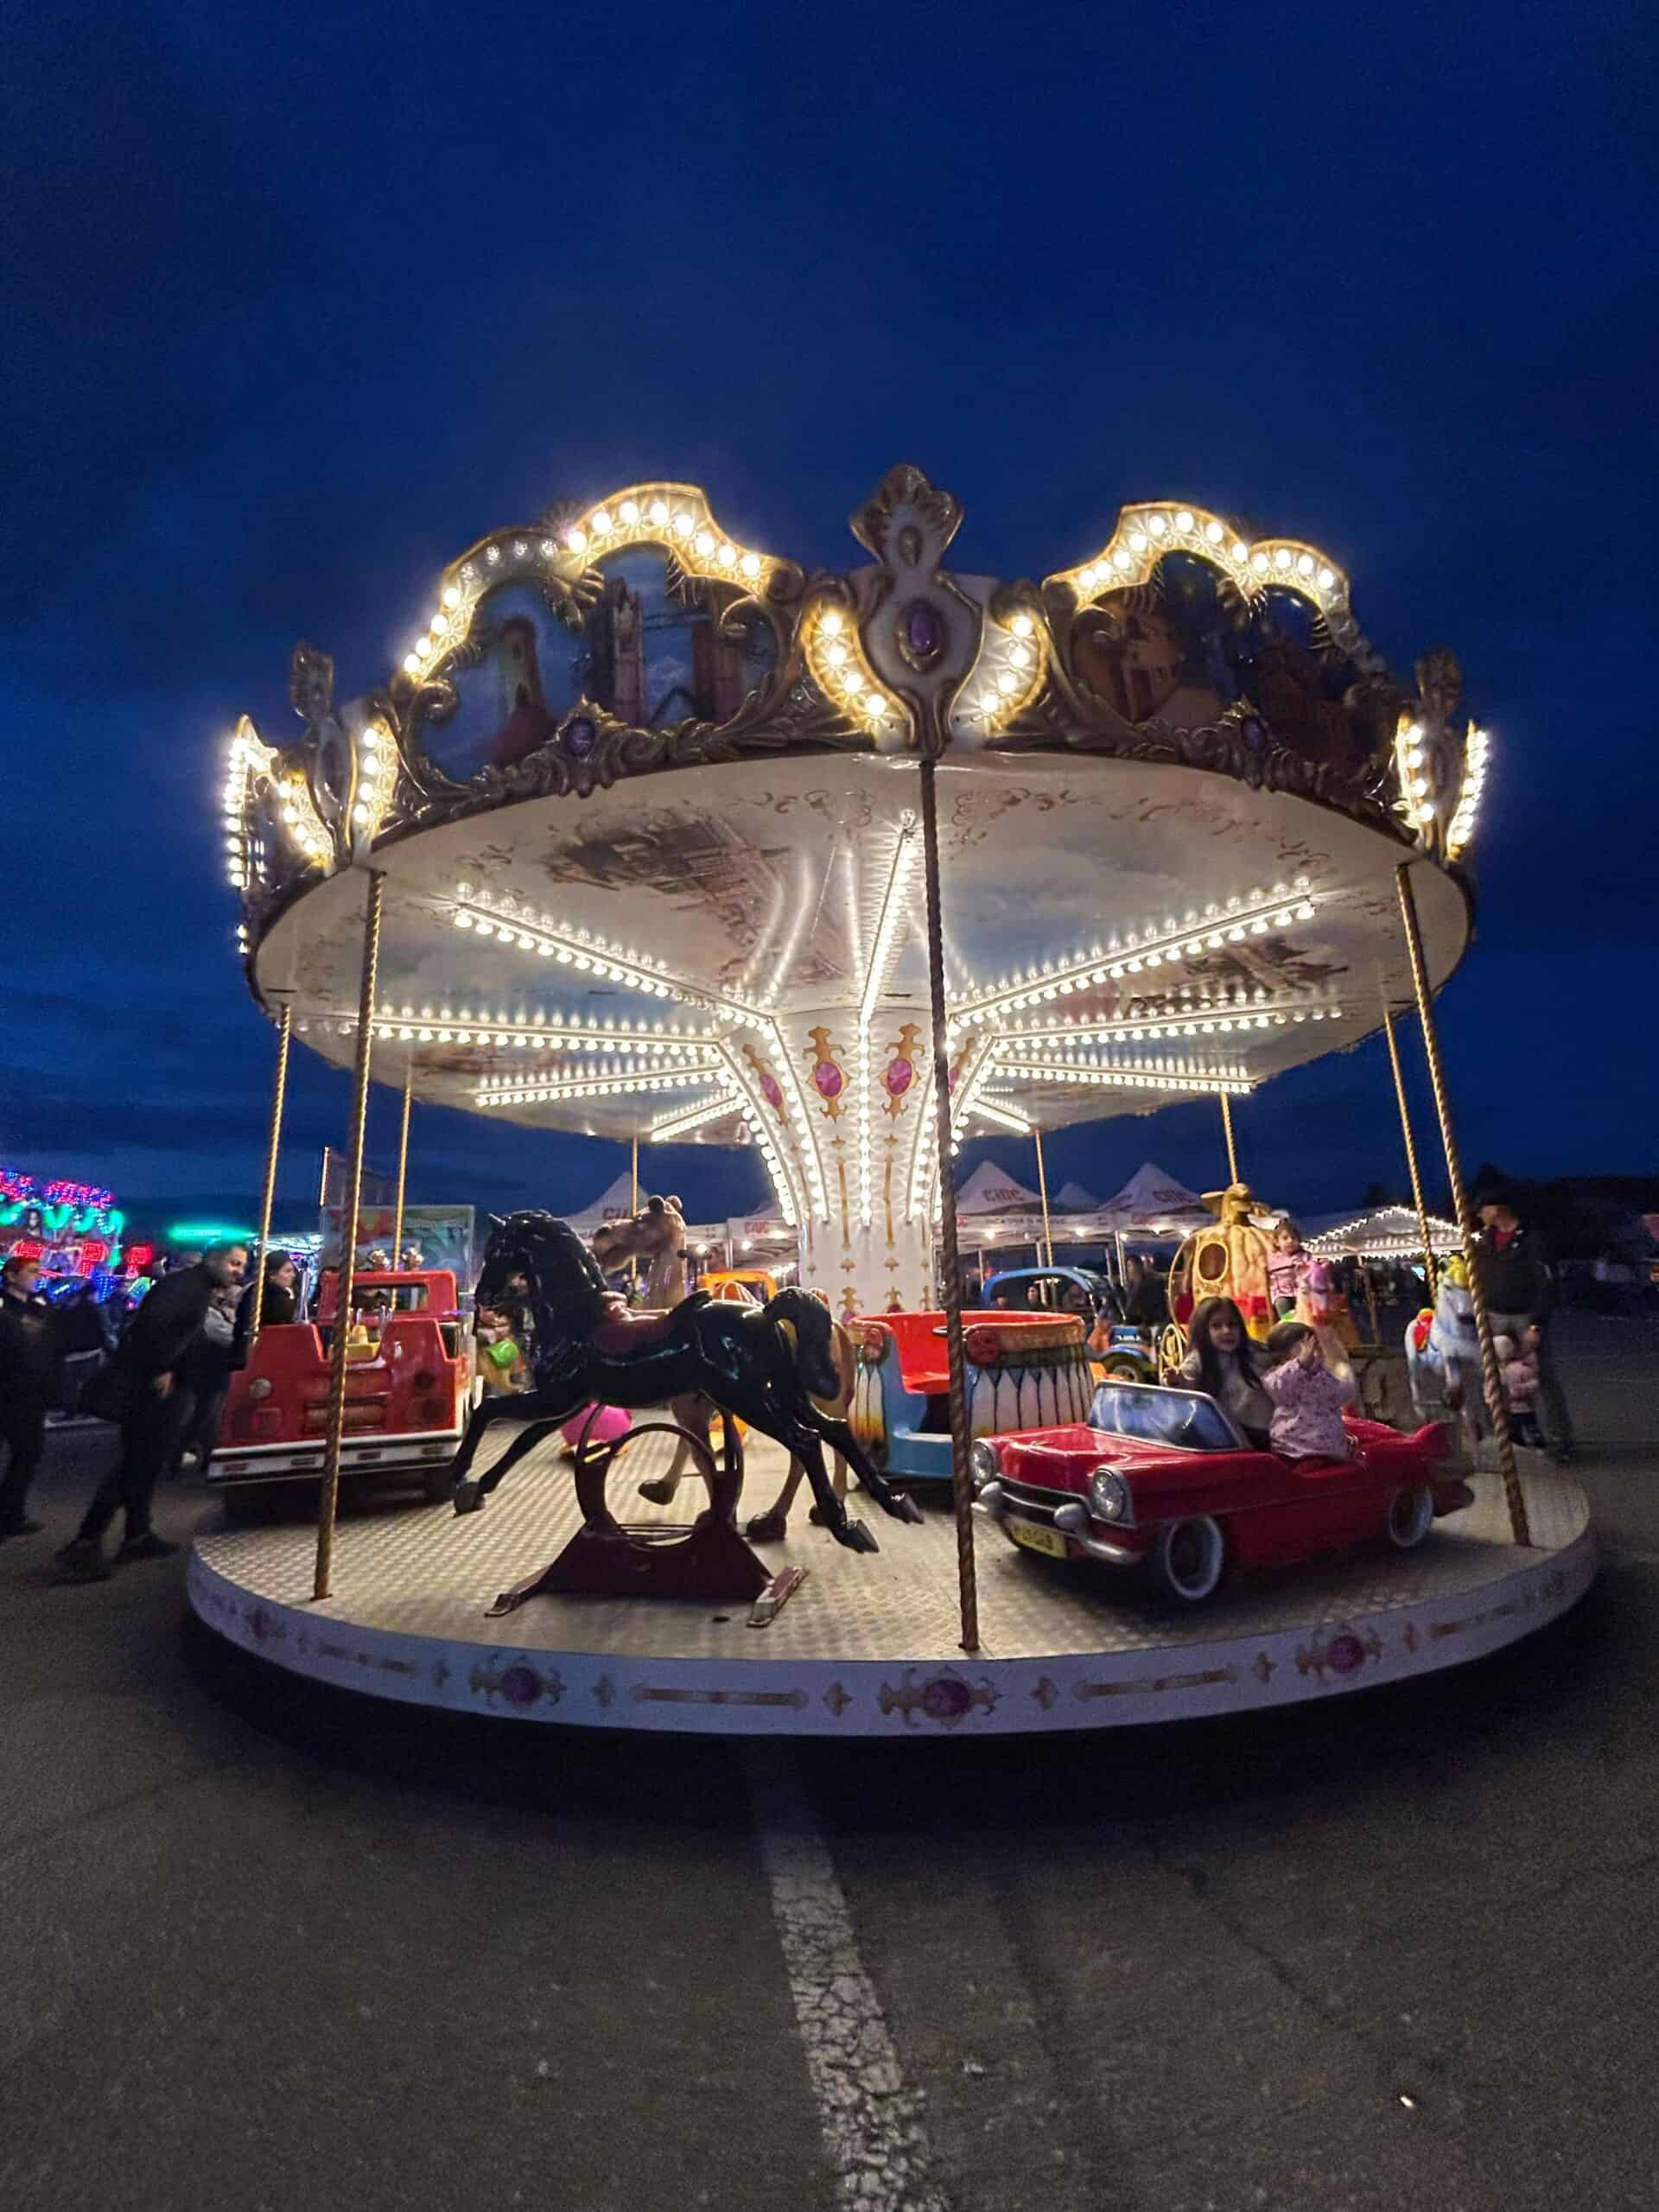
[(1064, 1459)]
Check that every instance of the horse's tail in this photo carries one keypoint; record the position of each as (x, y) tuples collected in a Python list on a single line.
[(809, 1321)]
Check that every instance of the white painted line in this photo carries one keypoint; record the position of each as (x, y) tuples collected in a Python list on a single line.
[(870, 2117)]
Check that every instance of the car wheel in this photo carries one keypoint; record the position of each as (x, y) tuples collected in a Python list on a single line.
[(1124, 1369), (1188, 1559), (1411, 1516), (438, 1484)]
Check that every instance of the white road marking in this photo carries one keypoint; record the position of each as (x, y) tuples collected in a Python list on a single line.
[(870, 2118)]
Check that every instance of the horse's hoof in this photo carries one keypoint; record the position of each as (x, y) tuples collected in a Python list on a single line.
[(815, 1517), (767, 1529), (905, 1507), (660, 1492), (469, 1498), (857, 1537)]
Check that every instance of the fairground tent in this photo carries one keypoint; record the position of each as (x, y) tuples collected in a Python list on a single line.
[(616, 1203), (1384, 1233), (1153, 1203)]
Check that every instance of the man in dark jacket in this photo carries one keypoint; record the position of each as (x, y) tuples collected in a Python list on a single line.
[(1144, 1302), (1520, 1287), (28, 1372), (160, 1338)]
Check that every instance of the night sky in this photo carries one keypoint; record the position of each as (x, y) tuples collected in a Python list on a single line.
[(300, 300)]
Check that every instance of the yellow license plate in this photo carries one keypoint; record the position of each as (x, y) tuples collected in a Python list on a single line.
[(1050, 1542)]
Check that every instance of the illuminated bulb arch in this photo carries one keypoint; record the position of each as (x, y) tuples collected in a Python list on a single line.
[(836, 660), (1145, 533), (1007, 674), (675, 517)]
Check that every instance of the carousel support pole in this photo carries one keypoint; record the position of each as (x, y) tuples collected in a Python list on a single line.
[(268, 1197), (961, 1491), (348, 1214), (1429, 1276), (633, 1208), (1042, 1186), (403, 1167), (1494, 1382), (1227, 1126), (1122, 1270)]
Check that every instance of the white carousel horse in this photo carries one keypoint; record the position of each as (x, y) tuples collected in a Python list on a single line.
[(1443, 1353)]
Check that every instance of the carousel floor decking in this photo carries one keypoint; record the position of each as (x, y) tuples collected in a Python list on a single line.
[(867, 1646)]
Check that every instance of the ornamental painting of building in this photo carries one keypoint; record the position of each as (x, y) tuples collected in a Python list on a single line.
[(642, 641)]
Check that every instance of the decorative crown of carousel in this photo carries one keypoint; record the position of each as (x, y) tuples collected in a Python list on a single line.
[(1179, 781)]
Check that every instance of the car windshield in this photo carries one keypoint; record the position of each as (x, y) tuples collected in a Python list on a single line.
[(1152, 1415)]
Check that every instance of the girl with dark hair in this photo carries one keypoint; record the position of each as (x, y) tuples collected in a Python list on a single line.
[(1221, 1362)]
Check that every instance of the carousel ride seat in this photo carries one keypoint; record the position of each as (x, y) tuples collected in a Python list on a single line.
[(622, 1332)]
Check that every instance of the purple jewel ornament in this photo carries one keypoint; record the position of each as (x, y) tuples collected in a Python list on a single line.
[(924, 631)]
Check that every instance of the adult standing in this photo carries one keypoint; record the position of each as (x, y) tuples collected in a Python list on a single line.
[(29, 1368), (1520, 1287), (1144, 1302), (145, 1370), (277, 1291)]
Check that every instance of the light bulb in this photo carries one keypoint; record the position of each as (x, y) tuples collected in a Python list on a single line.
[(630, 512)]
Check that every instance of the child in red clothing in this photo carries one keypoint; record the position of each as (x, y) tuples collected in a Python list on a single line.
[(1307, 1398)]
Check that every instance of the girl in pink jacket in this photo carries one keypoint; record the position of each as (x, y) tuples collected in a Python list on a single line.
[(1307, 1398)]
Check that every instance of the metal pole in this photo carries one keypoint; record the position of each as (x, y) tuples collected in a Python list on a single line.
[(353, 1196), (1494, 1382), (1227, 1124), (1042, 1185), (961, 1491), (402, 1166), (1430, 1272), (267, 1198), (633, 1208)]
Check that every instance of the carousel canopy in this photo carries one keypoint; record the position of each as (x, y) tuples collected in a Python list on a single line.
[(1384, 1233), (1075, 1199), (641, 810)]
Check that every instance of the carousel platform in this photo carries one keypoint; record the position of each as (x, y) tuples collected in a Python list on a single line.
[(867, 1646)]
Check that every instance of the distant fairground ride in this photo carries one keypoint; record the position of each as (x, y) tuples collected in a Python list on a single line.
[(653, 835)]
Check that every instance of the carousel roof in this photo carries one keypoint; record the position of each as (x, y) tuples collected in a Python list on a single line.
[(1174, 785)]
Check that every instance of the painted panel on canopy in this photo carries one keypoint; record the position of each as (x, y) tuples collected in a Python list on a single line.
[(1185, 647), (644, 642)]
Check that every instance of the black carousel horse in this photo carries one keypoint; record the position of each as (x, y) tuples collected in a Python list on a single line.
[(762, 1363)]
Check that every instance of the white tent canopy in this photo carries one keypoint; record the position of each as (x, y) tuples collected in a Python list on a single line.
[(1382, 1233), (1153, 1203), (614, 1205), (990, 1193), (1075, 1198)]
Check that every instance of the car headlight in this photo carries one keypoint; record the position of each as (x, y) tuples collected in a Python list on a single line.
[(260, 1387), (1108, 1496), (983, 1465)]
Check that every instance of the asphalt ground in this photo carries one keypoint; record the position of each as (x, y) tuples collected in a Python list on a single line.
[(261, 1946)]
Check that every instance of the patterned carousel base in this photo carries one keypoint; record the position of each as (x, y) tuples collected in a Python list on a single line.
[(868, 1645)]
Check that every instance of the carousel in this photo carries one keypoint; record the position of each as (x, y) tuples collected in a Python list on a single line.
[(654, 836)]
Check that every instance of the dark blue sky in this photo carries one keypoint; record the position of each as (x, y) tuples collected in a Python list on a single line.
[(297, 302)]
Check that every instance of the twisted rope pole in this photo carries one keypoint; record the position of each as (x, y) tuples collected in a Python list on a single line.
[(1493, 1380), (268, 1197), (1430, 1271), (1227, 1125), (328, 1503), (962, 1490)]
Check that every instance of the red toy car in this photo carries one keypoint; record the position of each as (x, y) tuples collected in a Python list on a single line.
[(409, 1381), (1162, 1479)]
